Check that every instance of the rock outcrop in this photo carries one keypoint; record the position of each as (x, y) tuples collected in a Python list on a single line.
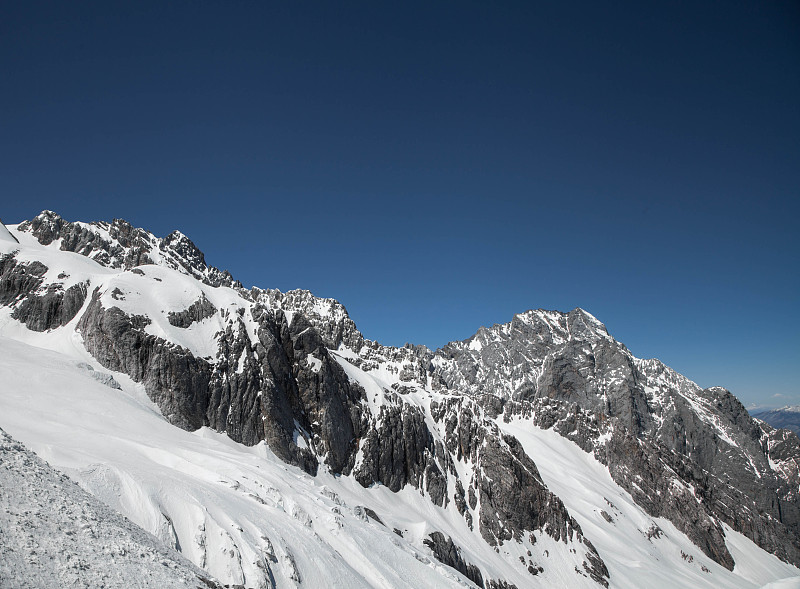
[(448, 553), (292, 370)]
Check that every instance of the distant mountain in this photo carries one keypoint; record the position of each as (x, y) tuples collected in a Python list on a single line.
[(265, 438), (786, 417)]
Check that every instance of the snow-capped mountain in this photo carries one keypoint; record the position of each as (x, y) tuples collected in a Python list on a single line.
[(261, 435), (787, 417)]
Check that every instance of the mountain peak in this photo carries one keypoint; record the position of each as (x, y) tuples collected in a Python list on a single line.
[(121, 245), (48, 214), (185, 248), (464, 425)]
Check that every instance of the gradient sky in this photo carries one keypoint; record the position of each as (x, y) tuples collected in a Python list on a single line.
[(441, 166)]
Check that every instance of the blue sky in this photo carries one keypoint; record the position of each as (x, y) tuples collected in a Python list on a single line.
[(441, 166)]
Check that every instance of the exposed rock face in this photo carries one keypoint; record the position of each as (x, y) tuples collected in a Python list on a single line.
[(506, 491), (327, 316), (177, 381), (18, 280), (499, 584), (448, 553), (400, 450), (288, 387), (20, 287), (197, 311), (653, 477), (330, 403), (267, 400), (288, 369), (512, 488), (54, 308), (683, 452)]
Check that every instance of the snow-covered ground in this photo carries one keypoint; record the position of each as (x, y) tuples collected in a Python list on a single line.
[(619, 528), (249, 519), (239, 512), (55, 534)]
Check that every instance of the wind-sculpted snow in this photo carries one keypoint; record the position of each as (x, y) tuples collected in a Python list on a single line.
[(54, 534), (414, 448)]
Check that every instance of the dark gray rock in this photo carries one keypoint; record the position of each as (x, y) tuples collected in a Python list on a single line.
[(18, 280), (261, 401), (266, 390), (691, 455), (21, 287), (564, 371), (513, 497), (46, 227), (330, 402), (55, 308), (374, 516), (514, 501), (399, 450), (499, 584), (197, 311), (120, 245), (642, 469), (187, 252), (448, 553), (176, 381)]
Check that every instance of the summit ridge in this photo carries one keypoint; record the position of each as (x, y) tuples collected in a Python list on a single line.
[(455, 433)]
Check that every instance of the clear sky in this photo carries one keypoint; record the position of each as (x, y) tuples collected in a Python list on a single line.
[(438, 166)]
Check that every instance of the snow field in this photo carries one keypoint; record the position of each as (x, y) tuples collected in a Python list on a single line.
[(248, 518), (633, 559)]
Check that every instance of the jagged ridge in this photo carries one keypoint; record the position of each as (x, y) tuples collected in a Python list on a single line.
[(288, 368)]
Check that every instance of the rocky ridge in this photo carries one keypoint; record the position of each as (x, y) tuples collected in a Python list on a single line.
[(660, 434), (289, 368), (120, 245)]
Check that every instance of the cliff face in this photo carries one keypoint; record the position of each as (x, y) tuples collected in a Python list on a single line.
[(292, 369)]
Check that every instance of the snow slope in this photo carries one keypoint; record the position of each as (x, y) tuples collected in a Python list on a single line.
[(250, 519), (220, 503), (54, 534), (224, 505), (638, 550)]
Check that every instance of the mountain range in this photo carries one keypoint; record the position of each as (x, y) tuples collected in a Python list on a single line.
[(787, 417), (260, 435)]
